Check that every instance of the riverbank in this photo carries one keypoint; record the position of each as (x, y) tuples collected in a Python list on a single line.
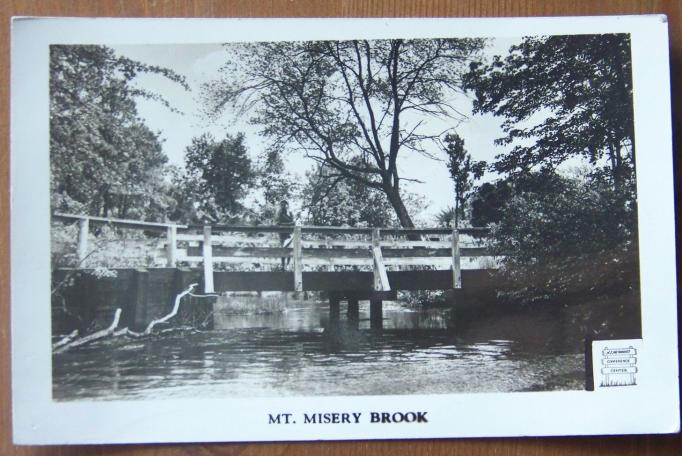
[(556, 326)]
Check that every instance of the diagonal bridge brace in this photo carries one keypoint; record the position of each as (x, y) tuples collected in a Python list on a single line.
[(380, 277)]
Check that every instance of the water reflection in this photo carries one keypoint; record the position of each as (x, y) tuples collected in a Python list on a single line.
[(298, 352), (314, 316)]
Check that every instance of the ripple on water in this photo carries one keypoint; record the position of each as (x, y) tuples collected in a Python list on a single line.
[(299, 360)]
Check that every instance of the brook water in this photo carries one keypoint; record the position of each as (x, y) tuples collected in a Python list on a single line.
[(295, 353)]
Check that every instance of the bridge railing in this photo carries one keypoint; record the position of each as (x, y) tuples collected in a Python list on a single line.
[(296, 247)]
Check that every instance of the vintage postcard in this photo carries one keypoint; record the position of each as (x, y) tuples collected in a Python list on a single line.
[(304, 229)]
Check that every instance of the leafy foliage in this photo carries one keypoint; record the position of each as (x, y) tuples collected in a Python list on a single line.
[(108, 248), (446, 217), (104, 160), (463, 172), (604, 274), (488, 202), (561, 234), (561, 97), (217, 176), (345, 202), (276, 184), (352, 106), (561, 215)]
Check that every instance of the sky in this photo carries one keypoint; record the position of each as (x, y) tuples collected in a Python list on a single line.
[(200, 63)]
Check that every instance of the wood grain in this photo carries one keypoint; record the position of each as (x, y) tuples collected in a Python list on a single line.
[(622, 446)]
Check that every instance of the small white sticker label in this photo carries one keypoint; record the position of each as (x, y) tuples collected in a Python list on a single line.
[(615, 362)]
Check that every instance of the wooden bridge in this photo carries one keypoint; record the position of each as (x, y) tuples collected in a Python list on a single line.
[(347, 263)]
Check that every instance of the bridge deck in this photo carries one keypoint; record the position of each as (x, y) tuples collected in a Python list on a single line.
[(438, 251)]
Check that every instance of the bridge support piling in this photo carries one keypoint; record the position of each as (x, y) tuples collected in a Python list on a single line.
[(376, 314), (353, 310), (334, 310)]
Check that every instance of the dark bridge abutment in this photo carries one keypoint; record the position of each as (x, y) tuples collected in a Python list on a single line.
[(86, 301)]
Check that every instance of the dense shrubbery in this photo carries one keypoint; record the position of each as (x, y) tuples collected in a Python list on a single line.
[(603, 273), (562, 235), (108, 248), (561, 216), (561, 98)]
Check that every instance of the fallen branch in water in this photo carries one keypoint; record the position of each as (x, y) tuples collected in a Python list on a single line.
[(173, 312), (94, 336), (65, 340), (127, 332), (68, 342)]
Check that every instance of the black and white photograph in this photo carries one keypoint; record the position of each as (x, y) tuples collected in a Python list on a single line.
[(356, 217), (282, 218)]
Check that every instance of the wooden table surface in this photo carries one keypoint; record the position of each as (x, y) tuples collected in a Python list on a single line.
[(622, 446)]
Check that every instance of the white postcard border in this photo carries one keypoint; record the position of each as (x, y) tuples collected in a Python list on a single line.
[(652, 407)]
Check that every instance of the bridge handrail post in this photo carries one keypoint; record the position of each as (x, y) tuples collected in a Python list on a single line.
[(456, 261), (298, 258), (171, 247), (83, 231), (207, 251)]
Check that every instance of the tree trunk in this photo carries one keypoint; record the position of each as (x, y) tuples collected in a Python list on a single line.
[(396, 201), (456, 214)]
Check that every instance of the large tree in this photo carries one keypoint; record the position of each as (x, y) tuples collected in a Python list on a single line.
[(218, 175), (353, 106), (276, 185), (561, 97), (463, 172), (104, 160)]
